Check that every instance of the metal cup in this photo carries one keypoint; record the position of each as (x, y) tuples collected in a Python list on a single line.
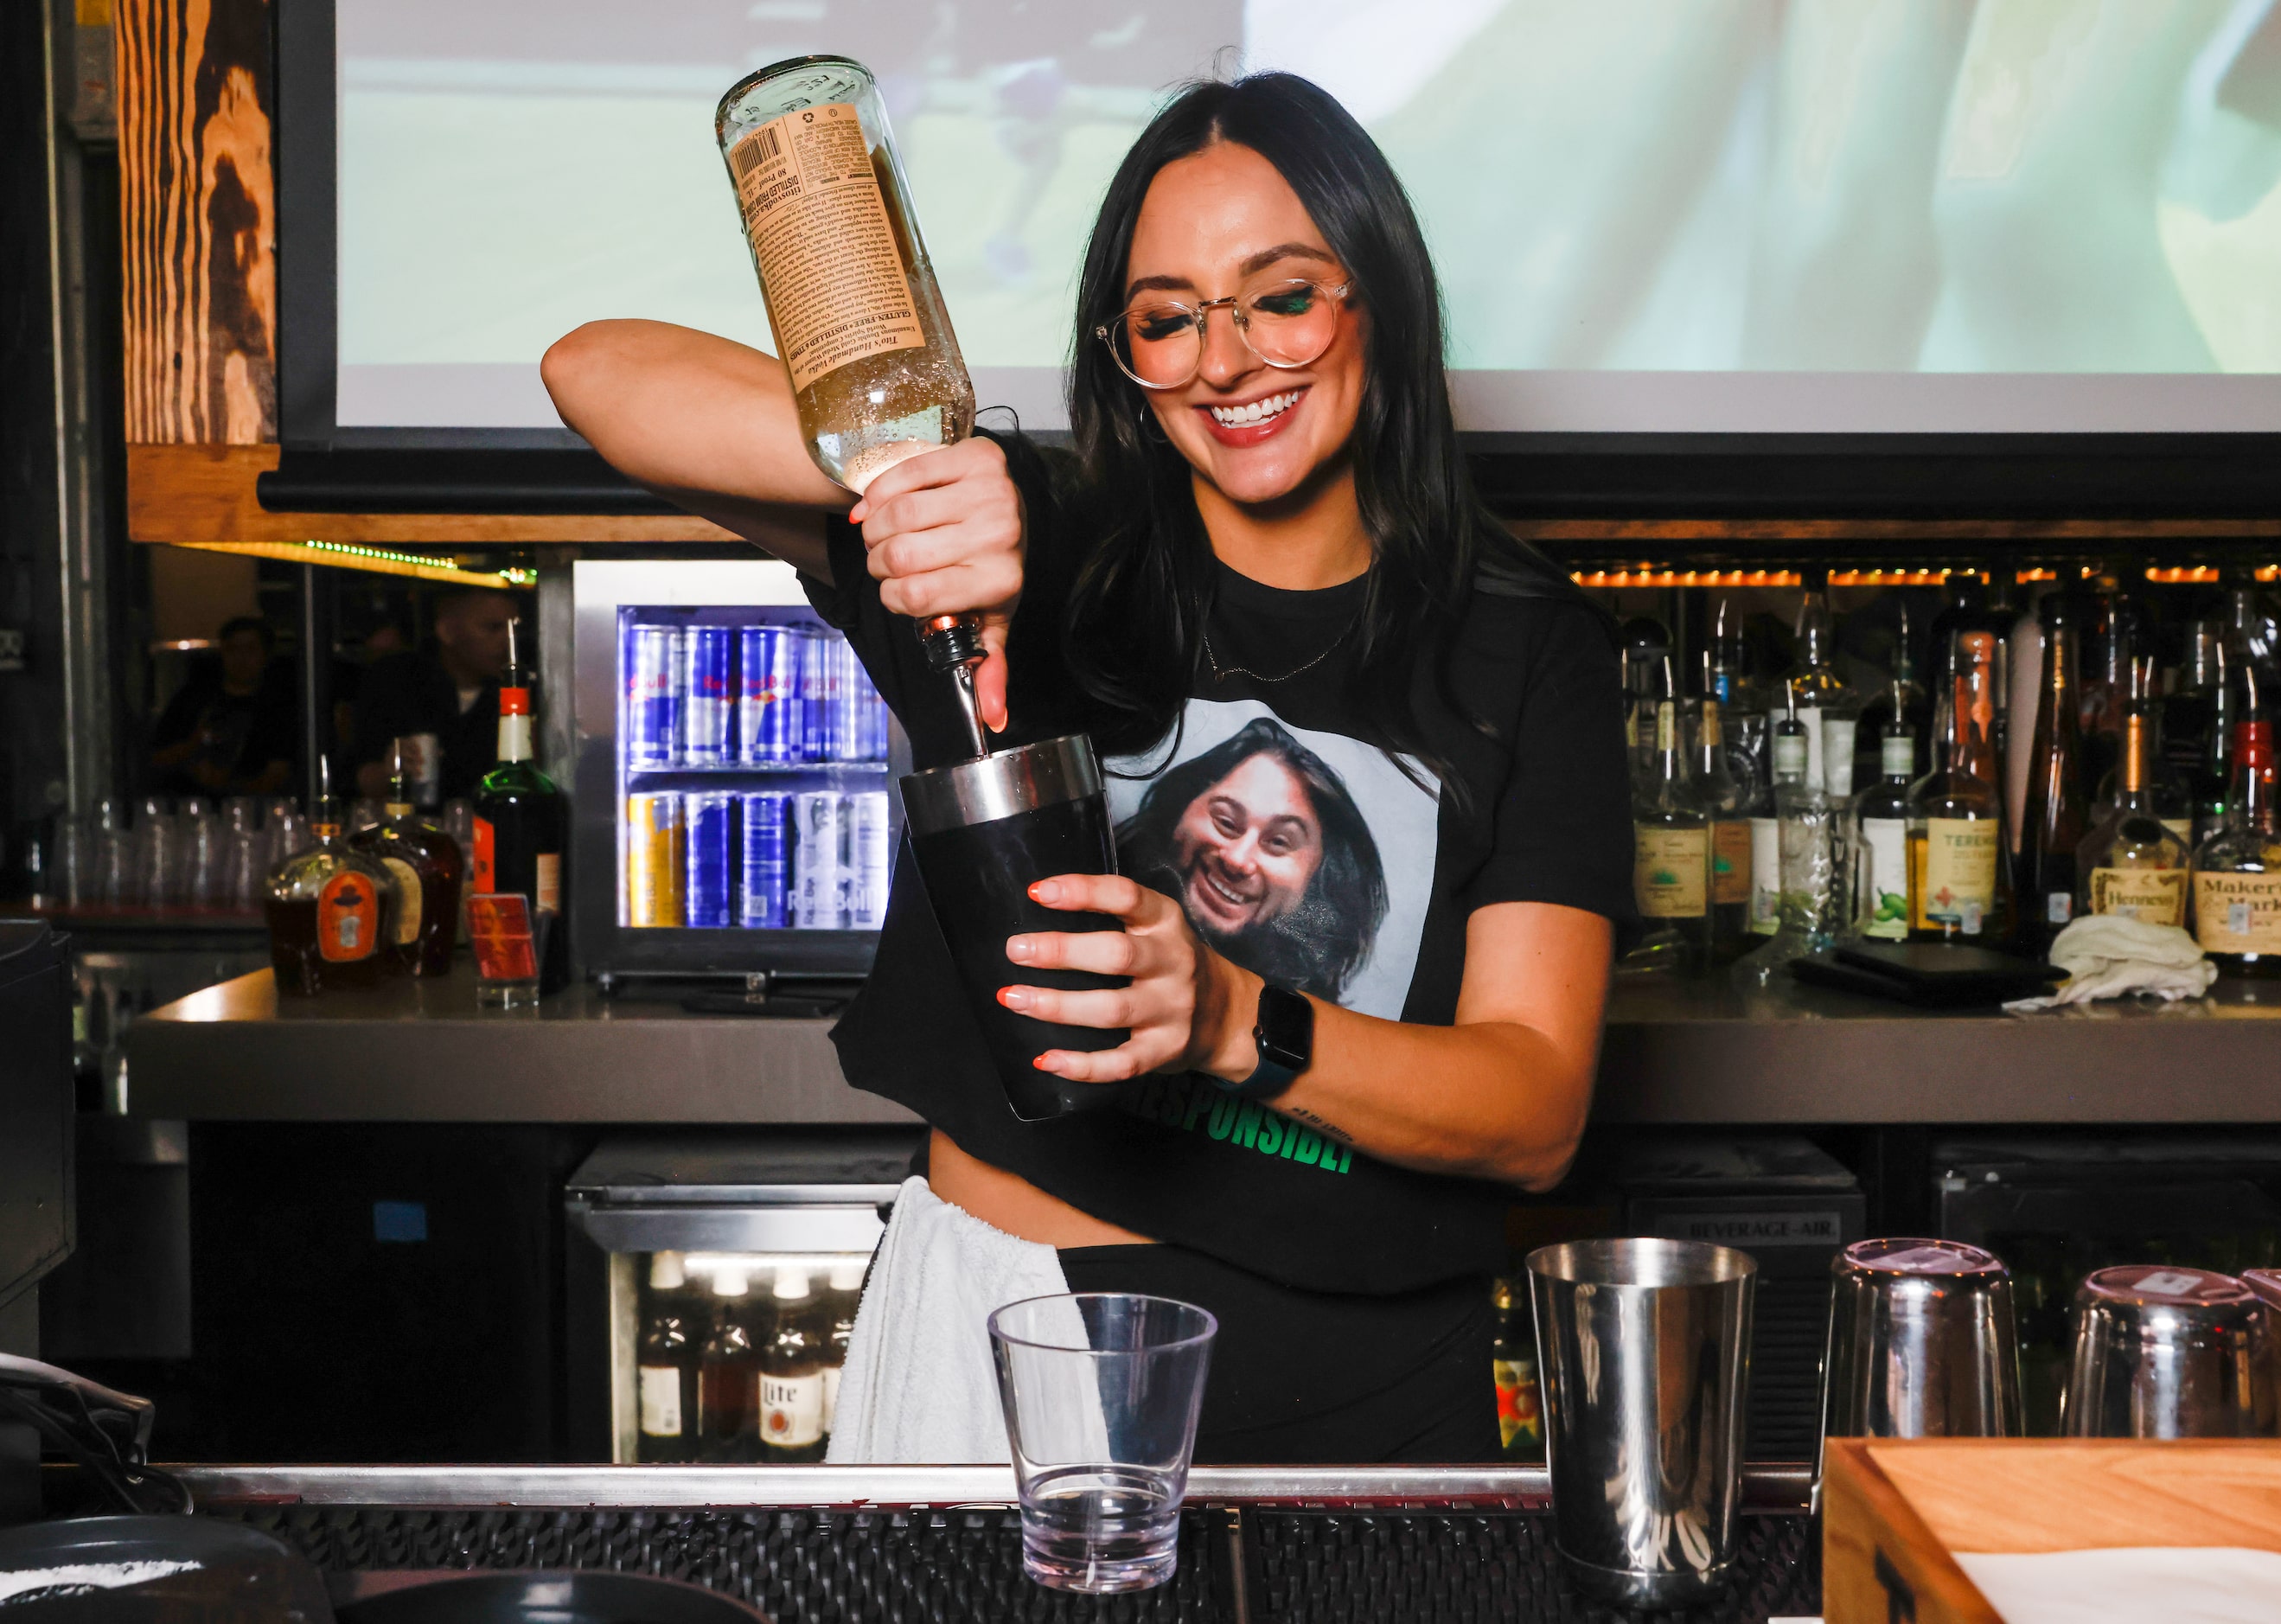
[(2265, 1286), (1643, 1349), (2162, 1352), (1922, 1343)]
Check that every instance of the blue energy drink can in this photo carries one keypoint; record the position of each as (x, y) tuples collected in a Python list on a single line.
[(764, 888), (818, 685), (768, 702), (708, 704), (871, 718), (708, 890), (650, 671), (844, 696)]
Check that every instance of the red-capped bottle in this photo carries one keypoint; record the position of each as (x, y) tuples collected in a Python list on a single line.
[(521, 824), (2238, 869)]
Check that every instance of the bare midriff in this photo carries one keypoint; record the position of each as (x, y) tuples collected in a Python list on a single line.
[(1012, 1203)]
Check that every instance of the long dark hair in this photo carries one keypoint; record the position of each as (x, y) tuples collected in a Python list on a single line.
[(1139, 598), (1317, 944)]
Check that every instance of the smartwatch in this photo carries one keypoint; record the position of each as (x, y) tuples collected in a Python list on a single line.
[(1284, 1032)]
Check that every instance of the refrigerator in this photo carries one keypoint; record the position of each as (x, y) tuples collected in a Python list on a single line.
[(732, 777), (712, 1232)]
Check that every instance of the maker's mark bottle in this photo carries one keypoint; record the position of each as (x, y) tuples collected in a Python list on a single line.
[(859, 322)]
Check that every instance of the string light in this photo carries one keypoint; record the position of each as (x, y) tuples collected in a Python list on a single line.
[(374, 560)]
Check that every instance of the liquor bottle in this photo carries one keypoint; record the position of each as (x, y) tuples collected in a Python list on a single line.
[(1725, 800), (2131, 863), (2023, 665), (1727, 677), (1671, 857), (859, 322), (1964, 607), (2194, 725), (2251, 630), (1788, 755), (1809, 836), (2165, 792), (792, 1374), (728, 1387), (520, 824), (1647, 656), (2237, 867), (844, 1298), (2108, 636), (1822, 701), (665, 1364), (1881, 839), (1900, 701), (1958, 889), (427, 868), (1512, 1368), (2056, 819), (331, 908)]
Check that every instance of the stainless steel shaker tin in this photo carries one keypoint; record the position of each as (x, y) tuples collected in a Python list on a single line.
[(1922, 1342), (1643, 1349), (1004, 784), (2164, 1351)]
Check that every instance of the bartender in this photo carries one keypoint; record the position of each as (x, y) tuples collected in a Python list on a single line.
[(441, 699), (1367, 756)]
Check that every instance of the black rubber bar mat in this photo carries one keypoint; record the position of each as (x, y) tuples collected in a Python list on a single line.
[(964, 1567)]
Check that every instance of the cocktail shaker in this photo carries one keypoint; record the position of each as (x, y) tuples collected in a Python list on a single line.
[(2164, 1351), (984, 831), (1644, 1349)]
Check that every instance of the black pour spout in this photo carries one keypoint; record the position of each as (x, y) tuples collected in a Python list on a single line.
[(954, 644)]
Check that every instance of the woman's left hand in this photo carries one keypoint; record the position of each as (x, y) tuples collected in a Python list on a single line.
[(1180, 994)]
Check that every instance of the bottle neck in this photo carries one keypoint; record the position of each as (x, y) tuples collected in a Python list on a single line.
[(2253, 805), (1792, 754), (1973, 726), (1711, 735), (1897, 756), (515, 724), (1671, 763), (2134, 782)]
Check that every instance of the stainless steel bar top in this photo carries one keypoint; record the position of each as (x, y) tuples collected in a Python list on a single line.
[(1676, 1053), (1771, 1488)]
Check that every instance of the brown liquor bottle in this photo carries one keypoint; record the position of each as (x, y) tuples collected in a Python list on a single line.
[(330, 909), (2056, 818), (2238, 869), (427, 867), (2131, 863), (1958, 889)]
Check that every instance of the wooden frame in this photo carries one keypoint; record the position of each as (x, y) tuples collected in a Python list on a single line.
[(1895, 1510)]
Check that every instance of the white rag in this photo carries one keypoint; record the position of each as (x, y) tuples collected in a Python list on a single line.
[(919, 1387), (2204, 1585), (2106, 955)]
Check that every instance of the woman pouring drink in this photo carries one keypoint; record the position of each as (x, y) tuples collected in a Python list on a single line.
[(1367, 763)]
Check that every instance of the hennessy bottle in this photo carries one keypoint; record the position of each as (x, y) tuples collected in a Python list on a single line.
[(859, 323)]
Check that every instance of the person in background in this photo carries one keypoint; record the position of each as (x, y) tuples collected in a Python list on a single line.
[(448, 690), (231, 729)]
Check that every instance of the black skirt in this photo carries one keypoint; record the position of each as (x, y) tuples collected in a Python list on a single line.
[(1305, 1378)]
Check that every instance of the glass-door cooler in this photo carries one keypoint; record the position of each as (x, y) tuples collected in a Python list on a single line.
[(712, 1282), (733, 769)]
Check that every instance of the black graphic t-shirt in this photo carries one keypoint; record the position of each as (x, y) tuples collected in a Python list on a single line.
[(1298, 851)]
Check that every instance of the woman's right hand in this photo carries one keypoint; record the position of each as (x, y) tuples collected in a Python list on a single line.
[(944, 533)]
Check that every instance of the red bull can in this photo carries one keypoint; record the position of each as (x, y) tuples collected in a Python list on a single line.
[(709, 703), (764, 886), (865, 883), (650, 669), (817, 836), (768, 702), (708, 896), (653, 861)]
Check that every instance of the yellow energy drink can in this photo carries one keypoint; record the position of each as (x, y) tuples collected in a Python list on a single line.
[(655, 881)]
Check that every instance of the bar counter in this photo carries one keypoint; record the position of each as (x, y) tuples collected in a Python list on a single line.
[(1676, 1053)]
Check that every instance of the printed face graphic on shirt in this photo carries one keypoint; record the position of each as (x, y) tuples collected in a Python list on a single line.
[(1306, 857), (1248, 848)]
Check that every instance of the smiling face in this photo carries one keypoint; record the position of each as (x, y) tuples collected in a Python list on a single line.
[(1212, 224), (1248, 847)]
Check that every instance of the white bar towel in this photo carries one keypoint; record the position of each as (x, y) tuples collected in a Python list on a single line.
[(919, 1387)]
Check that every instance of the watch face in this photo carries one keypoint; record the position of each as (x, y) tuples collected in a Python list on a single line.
[(1286, 1027)]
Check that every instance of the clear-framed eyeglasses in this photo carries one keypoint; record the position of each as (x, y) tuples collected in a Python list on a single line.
[(1159, 343)]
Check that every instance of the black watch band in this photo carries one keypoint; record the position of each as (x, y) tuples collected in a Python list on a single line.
[(1284, 1032)]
